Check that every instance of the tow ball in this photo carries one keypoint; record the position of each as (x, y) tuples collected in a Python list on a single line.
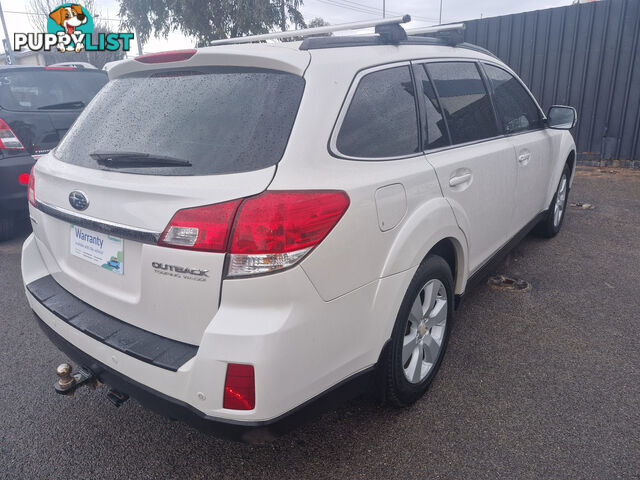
[(69, 382)]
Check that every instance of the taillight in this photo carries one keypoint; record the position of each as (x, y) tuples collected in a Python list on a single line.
[(239, 387), (265, 233), (23, 178), (8, 139), (163, 57), (31, 189), (202, 228), (275, 230)]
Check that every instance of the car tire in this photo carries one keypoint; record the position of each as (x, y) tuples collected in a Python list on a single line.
[(420, 333), (7, 226), (552, 223)]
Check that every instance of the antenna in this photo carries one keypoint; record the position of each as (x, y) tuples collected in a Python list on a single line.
[(307, 32)]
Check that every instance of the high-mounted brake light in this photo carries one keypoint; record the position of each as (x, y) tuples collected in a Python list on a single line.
[(164, 57), (8, 139), (239, 387), (262, 234), (59, 68), (31, 188)]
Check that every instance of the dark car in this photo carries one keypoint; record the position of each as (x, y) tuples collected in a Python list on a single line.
[(37, 107)]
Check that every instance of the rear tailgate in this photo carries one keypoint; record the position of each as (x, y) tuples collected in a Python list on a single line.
[(151, 143), (147, 290)]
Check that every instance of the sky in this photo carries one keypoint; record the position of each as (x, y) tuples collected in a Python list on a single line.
[(423, 12)]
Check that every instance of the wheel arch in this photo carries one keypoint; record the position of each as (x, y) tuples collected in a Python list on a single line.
[(566, 155), (431, 229), (571, 161), (451, 251)]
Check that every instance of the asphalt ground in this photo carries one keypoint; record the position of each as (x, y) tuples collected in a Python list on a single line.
[(542, 384)]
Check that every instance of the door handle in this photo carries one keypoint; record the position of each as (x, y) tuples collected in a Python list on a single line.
[(524, 157), (459, 180)]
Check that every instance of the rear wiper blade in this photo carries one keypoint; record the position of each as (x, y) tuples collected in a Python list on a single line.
[(63, 106), (136, 160)]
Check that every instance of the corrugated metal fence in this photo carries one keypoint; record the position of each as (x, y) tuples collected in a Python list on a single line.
[(584, 55)]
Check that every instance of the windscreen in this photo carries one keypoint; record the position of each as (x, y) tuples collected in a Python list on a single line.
[(40, 89), (199, 122)]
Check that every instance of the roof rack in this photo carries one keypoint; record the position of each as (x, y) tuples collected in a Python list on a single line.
[(436, 29), (392, 33), (315, 43), (452, 34)]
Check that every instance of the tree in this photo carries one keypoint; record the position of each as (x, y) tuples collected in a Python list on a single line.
[(38, 19), (40, 13), (320, 22), (209, 20)]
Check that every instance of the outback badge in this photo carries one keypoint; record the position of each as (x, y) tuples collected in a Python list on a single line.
[(199, 274)]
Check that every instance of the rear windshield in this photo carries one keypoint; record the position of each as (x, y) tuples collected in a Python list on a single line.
[(31, 89), (214, 121)]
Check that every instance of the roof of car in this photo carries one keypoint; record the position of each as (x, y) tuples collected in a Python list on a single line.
[(294, 57)]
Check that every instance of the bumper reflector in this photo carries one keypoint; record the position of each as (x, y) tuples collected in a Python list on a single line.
[(239, 387)]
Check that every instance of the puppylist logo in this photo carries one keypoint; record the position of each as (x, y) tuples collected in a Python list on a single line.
[(70, 29)]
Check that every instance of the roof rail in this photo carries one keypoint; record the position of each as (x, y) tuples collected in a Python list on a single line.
[(307, 32)]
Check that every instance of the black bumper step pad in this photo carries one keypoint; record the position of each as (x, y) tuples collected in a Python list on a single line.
[(141, 344)]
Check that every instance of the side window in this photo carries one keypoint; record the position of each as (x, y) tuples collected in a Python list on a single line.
[(382, 119), (516, 109), (434, 130), (466, 104)]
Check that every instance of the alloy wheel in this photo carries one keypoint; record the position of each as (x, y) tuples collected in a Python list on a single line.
[(561, 199), (424, 332)]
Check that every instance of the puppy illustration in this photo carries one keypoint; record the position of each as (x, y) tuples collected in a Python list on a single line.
[(69, 18)]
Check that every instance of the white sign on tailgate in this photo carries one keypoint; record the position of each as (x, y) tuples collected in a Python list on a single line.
[(100, 249)]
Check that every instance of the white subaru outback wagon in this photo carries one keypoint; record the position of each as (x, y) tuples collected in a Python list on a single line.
[(233, 233)]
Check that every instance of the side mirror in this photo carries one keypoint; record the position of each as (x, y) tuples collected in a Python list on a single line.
[(562, 118)]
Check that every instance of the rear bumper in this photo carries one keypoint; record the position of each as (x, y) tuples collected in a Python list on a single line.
[(13, 195), (303, 348), (255, 431)]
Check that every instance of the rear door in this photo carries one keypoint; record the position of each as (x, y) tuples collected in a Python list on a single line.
[(149, 145), (474, 163), (523, 123)]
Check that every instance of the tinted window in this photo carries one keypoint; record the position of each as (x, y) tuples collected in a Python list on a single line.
[(32, 89), (434, 134), (222, 120), (381, 120), (465, 102), (516, 110)]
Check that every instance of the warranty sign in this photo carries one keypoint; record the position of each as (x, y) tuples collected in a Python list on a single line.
[(97, 248)]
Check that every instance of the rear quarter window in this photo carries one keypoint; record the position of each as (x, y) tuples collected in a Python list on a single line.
[(221, 120)]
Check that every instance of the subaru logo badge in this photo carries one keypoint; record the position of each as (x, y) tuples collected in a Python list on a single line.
[(78, 200)]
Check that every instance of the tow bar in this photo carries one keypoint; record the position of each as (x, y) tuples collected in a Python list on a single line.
[(69, 382)]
